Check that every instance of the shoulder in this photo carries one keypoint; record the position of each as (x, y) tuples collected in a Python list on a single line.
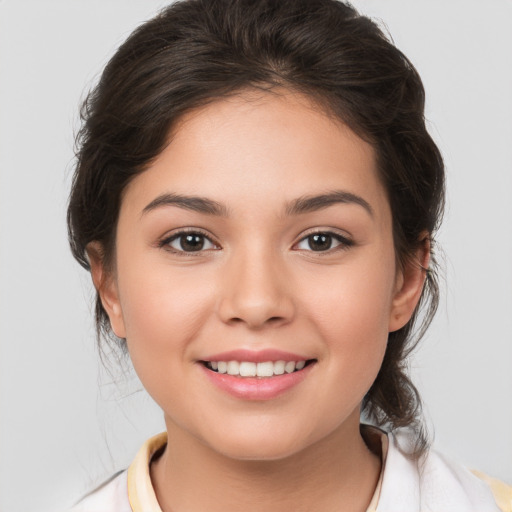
[(434, 482), (441, 473), (111, 496), (129, 490), (501, 491)]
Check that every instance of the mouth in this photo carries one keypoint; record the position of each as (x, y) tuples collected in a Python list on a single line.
[(262, 370), (256, 375)]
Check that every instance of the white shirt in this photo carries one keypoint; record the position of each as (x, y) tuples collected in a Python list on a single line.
[(430, 484)]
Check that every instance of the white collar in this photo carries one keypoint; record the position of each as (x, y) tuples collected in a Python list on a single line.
[(429, 484)]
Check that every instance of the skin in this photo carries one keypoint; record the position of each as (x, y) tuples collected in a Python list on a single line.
[(257, 285)]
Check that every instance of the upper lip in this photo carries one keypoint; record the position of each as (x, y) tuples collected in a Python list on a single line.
[(256, 356)]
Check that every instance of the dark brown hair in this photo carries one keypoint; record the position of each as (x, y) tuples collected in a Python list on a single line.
[(196, 51)]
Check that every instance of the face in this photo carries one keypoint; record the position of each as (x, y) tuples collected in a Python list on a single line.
[(255, 277)]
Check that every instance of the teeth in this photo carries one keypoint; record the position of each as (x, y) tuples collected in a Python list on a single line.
[(233, 368), (247, 369), (279, 367), (265, 369), (250, 369), (289, 367)]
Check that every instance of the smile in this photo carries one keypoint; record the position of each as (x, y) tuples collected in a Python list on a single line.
[(253, 369)]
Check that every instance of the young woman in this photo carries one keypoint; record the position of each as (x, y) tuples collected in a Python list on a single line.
[(256, 197)]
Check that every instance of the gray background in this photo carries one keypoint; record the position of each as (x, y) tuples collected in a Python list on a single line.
[(64, 421)]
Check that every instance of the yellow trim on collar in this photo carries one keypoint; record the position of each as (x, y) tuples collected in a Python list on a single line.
[(384, 453), (501, 491), (141, 494)]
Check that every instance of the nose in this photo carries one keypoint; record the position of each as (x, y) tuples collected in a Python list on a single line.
[(255, 291)]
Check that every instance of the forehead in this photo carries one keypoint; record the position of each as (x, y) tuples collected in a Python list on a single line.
[(261, 147), (268, 119)]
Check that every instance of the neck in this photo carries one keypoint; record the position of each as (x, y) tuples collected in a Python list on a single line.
[(190, 476)]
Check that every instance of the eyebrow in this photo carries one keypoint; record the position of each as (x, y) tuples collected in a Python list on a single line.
[(313, 203), (304, 204), (194, 203)]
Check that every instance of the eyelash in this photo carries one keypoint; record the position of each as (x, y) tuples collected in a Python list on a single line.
[(344, 242), (165, 243)]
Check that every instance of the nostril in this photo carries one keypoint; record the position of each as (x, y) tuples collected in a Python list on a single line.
[(275, 319), (255, 322)]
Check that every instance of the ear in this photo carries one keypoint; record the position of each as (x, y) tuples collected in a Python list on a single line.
[(409, 285), (106, 286)]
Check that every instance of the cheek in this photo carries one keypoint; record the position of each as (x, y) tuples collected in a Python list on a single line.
[(157, 298), (357, 298), (162, 312), (353, 318)]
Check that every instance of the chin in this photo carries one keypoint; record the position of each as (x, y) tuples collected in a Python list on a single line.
[(262, 451), (260, 442)]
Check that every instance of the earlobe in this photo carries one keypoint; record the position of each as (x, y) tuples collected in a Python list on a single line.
[(409, 286), (106, 286)]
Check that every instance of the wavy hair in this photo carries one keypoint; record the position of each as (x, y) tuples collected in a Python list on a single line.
[(197, 51)]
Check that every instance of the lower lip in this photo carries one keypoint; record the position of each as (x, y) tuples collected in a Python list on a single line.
[(257, 388)]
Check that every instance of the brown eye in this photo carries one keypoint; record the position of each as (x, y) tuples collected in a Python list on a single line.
[(189, 242), (320, 242), (323, 241)]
